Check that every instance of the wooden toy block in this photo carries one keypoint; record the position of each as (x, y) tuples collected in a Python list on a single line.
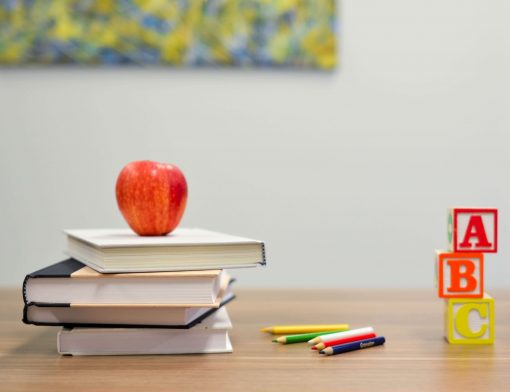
[(469, 320), (473, 230), (459, 275)]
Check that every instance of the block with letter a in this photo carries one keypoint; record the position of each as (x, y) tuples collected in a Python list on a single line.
[(459, 275), (473, 230), (469, 320)]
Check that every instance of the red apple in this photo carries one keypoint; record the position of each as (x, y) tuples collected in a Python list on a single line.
[(151, 196)]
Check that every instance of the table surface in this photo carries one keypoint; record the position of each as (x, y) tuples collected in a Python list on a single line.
[(415, 356)]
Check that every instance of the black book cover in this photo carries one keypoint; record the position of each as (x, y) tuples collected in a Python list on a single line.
[(92, 325), (62, 269)]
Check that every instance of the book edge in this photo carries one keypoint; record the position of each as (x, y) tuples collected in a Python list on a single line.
[(242, 241), (190, 325)]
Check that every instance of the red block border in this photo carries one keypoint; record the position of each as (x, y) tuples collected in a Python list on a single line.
[(457, 211)]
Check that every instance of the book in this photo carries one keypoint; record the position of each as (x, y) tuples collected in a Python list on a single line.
[(121, 250), (210, 336), (146, 316), (71, 282)]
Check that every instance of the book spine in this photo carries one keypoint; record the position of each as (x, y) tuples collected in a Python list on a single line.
[(24, 289), (263, 248), (26, 320), (25, 317)]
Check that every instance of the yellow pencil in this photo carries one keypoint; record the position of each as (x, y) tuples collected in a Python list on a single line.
[(291, 329)]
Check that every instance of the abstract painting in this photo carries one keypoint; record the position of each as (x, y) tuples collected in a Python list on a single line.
[(243, 33)]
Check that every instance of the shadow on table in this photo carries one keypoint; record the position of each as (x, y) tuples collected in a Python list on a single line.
[(40, 343)]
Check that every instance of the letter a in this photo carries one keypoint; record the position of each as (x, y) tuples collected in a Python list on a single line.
[(475, 229)]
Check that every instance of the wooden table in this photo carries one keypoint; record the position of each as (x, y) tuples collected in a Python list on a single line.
[(415, 356)]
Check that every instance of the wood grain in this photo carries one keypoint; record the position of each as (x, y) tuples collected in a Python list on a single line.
[(415, 356)]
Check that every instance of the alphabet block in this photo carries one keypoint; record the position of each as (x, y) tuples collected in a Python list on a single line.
[(473, 230), (459, 275), (469, 320)]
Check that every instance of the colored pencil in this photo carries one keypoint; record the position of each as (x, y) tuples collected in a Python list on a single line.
[(294, 329), (340, 335), (344, 348), (303, 337), (336, 342)]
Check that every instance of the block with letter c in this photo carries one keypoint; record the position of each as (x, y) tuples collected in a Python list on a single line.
[(470, 320)]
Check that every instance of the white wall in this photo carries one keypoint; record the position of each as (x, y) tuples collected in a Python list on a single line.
[(347, 176)]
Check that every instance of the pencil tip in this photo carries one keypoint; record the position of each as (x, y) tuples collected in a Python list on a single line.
[(313, 348), (267, 329), (274, 341)]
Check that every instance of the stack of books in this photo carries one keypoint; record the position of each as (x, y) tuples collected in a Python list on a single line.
[(121, 293)]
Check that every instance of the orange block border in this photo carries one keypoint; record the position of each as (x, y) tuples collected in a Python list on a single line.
[(467, 255)]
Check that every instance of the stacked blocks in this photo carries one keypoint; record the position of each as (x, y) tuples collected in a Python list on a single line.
[(469, 310)]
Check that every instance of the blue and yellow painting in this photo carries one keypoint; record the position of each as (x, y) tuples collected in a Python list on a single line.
[(279, 33)]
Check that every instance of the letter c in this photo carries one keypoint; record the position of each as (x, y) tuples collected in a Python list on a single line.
[(462, 320)]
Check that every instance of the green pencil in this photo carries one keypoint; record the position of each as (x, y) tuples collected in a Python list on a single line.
[(303, 337)]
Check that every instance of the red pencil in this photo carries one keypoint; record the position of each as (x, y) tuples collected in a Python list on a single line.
[(322, 346)]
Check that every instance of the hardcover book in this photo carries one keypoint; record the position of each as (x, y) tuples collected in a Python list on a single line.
[(210, 336), (121, 250), (136, 316), (71, 282)]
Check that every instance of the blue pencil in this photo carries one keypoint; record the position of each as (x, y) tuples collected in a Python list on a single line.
[(360, 344)]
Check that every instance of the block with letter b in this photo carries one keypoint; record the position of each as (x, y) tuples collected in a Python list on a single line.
[(459, 275), (469, 320), (473, 230)]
